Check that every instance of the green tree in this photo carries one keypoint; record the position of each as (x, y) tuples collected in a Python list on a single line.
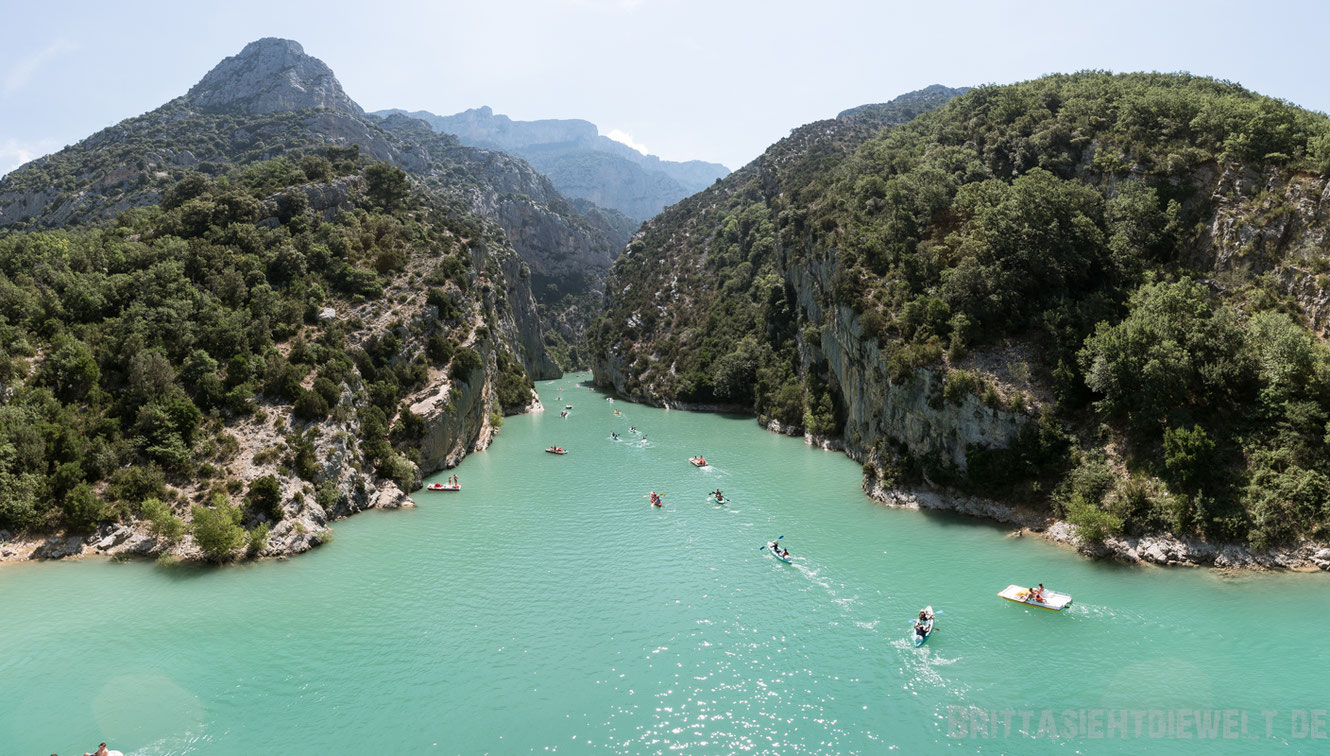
[(217, 528), (387, 186), (265, 498), (1174, 350), (70, 370), (311, 406), (165, 525), (734, 376), (83, 509), (1092, 523), (1188, 456), (465, 362)]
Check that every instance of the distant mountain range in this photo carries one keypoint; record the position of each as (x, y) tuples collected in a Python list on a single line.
[(580, 161)]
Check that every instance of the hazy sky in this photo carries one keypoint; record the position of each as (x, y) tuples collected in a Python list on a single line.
[(687, 79)]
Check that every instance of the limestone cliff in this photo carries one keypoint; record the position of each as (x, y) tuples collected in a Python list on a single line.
[(271, 75), (941, 290)]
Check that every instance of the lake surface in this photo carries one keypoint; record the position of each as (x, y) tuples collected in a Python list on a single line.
[(547, 607)]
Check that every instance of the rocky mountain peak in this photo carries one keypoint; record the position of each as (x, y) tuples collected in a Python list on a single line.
[(271, 75)]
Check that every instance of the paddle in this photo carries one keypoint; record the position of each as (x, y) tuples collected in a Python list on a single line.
[(767, 546)]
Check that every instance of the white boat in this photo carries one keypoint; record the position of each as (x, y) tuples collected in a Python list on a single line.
[(1053, 601)]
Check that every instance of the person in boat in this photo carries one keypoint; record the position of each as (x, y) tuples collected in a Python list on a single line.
[(718, 495)]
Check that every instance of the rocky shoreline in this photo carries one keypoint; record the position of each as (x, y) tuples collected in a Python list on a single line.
[(1158, 549), (135, 540)]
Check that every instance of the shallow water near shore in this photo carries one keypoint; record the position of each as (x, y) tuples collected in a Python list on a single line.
[(547, 607)]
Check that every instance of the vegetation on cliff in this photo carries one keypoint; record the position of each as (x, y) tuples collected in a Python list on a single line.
[(131, 350), (1152, 242)]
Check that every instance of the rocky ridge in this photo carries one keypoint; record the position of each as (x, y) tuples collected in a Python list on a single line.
[(273, 100), (579, 160), (269, 76)]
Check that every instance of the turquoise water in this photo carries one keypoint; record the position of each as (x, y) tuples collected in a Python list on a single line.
[(549, 608)]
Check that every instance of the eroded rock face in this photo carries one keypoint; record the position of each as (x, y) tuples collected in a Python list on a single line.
[(271, 75), (59, 547), (910, 412)]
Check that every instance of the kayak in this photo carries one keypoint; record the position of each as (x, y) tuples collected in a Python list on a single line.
[(920, 640), (719, 500), (442, 487), (1053, 601), (698, 461), (617, 412), (778, 556), (552, 450)]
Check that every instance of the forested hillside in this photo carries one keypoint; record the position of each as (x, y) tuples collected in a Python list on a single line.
[(273, 100), (1102, 296), (151, 367), (230, 320)]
